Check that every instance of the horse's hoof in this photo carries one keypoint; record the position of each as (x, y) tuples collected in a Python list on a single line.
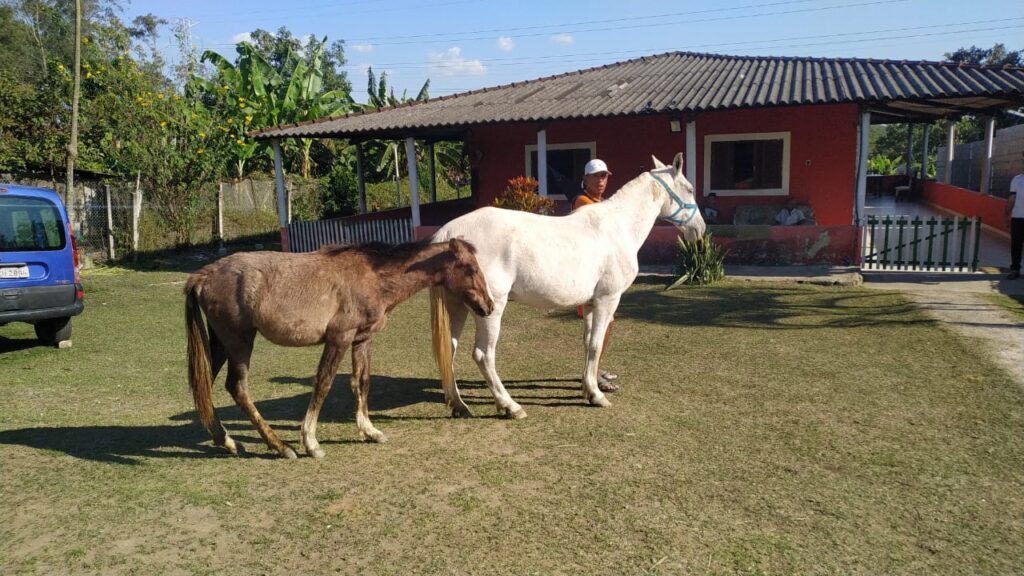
[(600, 402), (289, 453), (461, 412), (317, 452), (229, 445), (517, 414), (375, 436)]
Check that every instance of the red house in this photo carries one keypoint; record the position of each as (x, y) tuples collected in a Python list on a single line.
[(756, 131)]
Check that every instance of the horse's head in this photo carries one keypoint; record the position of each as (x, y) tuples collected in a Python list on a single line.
[(465, 280), (680, 205)]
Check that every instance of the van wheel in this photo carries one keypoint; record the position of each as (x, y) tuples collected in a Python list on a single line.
[(53, 331)]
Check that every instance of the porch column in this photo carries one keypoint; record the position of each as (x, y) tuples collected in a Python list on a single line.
[(414, 188), (542, 162), (282, 202), (864, 135), (910, 155), (691, 152), (986, 166), (947, 176), (433, 172), (360, 178), (924, 151)]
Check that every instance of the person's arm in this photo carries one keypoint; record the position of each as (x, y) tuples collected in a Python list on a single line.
[(782, 216), (1010, 201)]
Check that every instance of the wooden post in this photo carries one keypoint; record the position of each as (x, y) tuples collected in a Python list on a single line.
[(136, 214), (110, 226), (414, 192), (220, 215), (361, 177), (691, 153)]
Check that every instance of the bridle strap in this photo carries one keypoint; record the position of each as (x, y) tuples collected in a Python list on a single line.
[(674, 217)]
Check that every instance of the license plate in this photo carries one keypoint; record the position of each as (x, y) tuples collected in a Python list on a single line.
[(13, 272)]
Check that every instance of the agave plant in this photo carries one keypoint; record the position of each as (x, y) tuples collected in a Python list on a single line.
[(698, 262)]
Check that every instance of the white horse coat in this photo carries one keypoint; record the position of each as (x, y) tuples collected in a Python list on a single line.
[(587, 258)]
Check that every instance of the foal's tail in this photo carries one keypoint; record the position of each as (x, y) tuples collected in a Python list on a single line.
[(441, 329), (200, 373)]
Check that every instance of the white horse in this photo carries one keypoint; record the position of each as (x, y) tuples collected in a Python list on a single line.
[(587, 258)]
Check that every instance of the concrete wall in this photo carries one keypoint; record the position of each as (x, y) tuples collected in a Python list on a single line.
[(968, 158)]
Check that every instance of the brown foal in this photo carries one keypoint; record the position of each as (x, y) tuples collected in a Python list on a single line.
[(340, 296)]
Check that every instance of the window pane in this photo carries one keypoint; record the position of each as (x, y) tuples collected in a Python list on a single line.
[(29, 224), (746, 164)]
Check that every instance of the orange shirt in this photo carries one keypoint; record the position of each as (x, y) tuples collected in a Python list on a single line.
[(583, 200)]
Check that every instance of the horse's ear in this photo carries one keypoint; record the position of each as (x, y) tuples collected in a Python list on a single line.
[(678, 162), (657, 163), (460, 248)]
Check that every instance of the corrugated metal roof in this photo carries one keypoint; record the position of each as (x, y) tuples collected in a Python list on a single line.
[(684, 82)]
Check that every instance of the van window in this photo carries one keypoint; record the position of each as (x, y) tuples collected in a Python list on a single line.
[(29, 224)]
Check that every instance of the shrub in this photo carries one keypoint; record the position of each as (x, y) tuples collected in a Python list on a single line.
[(698, 262), (521, 194)]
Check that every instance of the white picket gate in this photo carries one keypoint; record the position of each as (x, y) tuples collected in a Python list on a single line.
[(310, 236)]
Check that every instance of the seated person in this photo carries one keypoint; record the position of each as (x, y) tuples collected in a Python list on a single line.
[(790, 215), (710, 209)]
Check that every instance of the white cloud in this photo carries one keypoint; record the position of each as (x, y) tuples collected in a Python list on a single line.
[(505, 44), (241, 37), (362, 48), (451, 63), (563, 39)]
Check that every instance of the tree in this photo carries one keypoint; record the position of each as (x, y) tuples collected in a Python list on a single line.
[(997, 55), (69, 192)]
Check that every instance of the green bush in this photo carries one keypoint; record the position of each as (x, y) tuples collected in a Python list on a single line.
[(698, 262)]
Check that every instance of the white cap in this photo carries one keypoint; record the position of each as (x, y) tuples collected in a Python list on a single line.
[(595, 166)]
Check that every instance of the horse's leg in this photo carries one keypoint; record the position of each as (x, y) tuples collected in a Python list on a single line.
[(361, 390), (240, 346), (487, 332), (597, 325), (325, 373), (457, 313), (218, 353)]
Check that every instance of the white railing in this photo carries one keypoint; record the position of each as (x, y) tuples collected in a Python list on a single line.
[(310, 236)]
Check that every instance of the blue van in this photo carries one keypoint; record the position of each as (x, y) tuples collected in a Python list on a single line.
[(39, 281)]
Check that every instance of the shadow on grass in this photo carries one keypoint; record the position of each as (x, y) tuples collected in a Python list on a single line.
[(770, 307), (16, 344)]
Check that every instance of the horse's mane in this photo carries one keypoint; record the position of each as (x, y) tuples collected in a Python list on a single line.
[(382, 251)]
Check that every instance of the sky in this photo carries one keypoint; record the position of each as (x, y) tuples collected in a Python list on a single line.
[(463, 45)]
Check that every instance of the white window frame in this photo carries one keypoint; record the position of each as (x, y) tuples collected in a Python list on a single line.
[(531, 148), (711, 138)]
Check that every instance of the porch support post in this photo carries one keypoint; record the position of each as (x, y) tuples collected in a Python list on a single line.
[(360, 178), (433, 172), (909, 166), (862, 166), (947, 176), (282, 202), (414, 188), (542, 162), (986, 166), (924, 151), (691, 152)]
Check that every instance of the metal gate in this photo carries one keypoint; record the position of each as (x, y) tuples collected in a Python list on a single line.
[(932, 245)]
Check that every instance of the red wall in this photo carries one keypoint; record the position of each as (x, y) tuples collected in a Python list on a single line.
[(823, 147), (966, 203), (822, 159)]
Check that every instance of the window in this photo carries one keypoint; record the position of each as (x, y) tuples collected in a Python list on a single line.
[(747, 164), (565, 166), (28, 224)]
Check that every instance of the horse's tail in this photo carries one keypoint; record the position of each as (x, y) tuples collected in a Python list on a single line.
[(200, 373), (441, 330)]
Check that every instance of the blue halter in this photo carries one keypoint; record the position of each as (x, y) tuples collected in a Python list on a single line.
[(674, 217)]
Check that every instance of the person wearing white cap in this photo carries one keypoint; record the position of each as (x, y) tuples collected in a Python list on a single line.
[(595, 182)]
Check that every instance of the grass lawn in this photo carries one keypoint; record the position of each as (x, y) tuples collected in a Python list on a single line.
[(761, 429)]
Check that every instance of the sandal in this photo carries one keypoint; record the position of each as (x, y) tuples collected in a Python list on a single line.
[(606, 385), (606, 375)]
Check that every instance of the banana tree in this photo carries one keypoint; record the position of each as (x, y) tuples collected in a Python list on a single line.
[(304, 100), (380, 95)]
